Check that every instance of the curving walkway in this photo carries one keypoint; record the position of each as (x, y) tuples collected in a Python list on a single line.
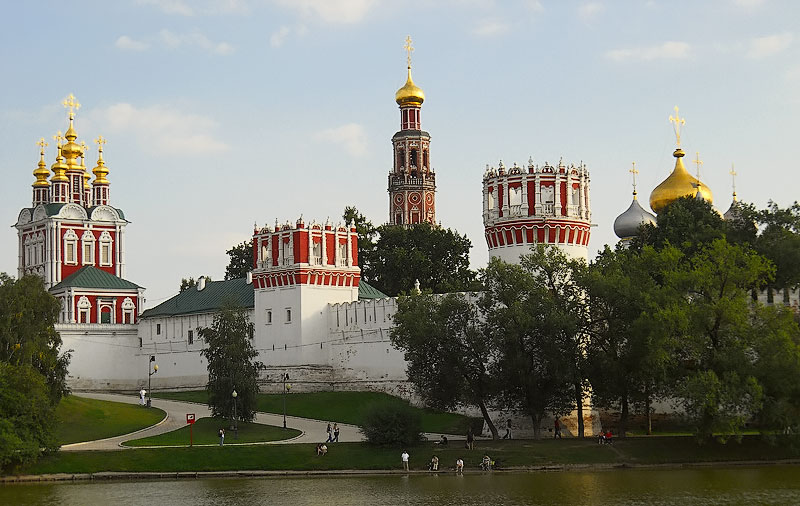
[(313, 431)]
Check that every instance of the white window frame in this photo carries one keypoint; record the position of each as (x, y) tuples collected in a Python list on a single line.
[(288, 315), (268, 316), (106, 246), (84, 310), (71, 244), (87, 240), (128, 310)]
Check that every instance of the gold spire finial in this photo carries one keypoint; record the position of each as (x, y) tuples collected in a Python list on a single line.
[(42, 144), (733, 178), (698, 162), (409, 49), (100, 141), (634, 171), (677, 123), (58, 137), (84, 152), (41, 171), (71, 104), (101, 171)]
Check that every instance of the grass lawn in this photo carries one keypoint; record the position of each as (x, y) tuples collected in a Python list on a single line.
[(205, 431), (82, 419), (343, 407), (301, 457)]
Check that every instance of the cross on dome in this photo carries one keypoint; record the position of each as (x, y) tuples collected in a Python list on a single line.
[(634, 171), (72, 104), (733, 180), (677, 123), (409, 49), (42, 144), (698, 162)]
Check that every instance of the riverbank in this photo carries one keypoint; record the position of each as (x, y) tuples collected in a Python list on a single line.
[(545, 455)]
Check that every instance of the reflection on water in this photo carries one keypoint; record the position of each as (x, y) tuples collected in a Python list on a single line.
[(777, 485)]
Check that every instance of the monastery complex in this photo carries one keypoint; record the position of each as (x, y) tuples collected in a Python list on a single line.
[(314, 319)]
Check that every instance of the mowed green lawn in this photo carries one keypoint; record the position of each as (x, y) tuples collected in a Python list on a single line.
[(81, 419), (342, 407), (205, 431), (361, 456)]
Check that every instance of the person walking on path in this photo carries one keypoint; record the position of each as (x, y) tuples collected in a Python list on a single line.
[(221, 437), (335, 433), (557, 434), (470, 439), (330, 433), (508, 429), (404, 457)]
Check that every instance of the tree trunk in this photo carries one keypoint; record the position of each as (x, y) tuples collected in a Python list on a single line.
[(537, 422), (487, 419), (647, 408), (623, 417), (579, 404)]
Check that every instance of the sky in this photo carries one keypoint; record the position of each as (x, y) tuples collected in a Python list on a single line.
[(224, 113)]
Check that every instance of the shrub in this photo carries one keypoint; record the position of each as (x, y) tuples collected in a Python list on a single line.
[(392, 424)]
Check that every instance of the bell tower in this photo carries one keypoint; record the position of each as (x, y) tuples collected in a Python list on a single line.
[(412, 182)]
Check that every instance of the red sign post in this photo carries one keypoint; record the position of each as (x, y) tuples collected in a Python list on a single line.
[(190, 421)]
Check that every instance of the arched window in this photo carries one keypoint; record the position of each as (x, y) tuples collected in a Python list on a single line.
[(128, 310), (106, 251), (87, 243), (106, 314), (288, 254), (401, 158), (341, 258), (316, 252), (425, 158), (28, 251), (70, 247), (412, 159), (84, 309)]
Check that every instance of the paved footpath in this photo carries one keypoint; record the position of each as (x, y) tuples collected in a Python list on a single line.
[(313, 431)]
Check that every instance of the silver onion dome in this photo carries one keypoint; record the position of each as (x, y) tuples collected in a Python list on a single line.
[(627, 224)]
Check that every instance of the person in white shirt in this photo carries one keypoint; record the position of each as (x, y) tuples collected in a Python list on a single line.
[(459, 466), (142, 393), (404, 458)]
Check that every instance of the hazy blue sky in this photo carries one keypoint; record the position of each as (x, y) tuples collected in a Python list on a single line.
[(219, 114)]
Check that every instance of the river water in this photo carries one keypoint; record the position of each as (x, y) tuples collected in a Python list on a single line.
[(778, 485)]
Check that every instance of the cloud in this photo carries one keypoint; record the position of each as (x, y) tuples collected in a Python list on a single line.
[(749, 3), (129, 44), (331, 11), (588, 10), (162, 129), (170, 6), (534, 6), (490, 28), (761, 47), (670, 50), (194, 39), (351, 136), (277, 38)]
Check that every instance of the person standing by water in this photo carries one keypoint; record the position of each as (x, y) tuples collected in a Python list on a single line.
[(459, 465), (470, 439), (404, 457), (557, 433)]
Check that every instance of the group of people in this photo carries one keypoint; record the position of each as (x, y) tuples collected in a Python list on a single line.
[(606, 438), (333, 433), (486, 463), (322, 449)]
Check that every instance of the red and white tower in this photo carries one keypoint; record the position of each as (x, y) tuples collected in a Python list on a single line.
[(77, 246), (537, 205), (412, 182)]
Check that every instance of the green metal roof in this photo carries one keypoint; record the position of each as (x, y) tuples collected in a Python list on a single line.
[(367, 291), (52, 209), (210, 299), (92, 277)]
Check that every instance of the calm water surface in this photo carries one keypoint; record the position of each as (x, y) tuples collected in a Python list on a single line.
[(778, 485)]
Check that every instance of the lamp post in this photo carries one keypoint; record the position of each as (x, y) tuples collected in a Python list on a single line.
[(150, 372), (285, 388), (235, 421)]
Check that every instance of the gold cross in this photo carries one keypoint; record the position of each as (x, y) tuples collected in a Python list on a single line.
[(85, 148), (677, 121), (42, 144), (634, 172), (100, 141), (733, 177), (409, 49), (71, 104), (698, 162), (58, 137)]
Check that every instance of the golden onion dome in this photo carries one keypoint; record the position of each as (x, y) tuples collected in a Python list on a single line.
[(59, 168), (410, 93), (679, 184), (101, 171)]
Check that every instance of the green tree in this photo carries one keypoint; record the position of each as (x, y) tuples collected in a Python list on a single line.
[(633, 321), (366, 239), (32, 369), (391, 424), (447, 353), (231, 364), (779, 241), (437, 257), (687, 224), (241, 260), (532, 314), (718, 384)]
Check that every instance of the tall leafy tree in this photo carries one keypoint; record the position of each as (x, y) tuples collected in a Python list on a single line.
[(33, 370), (241, 260), (532, 314), (232, 364), (447, 353), (633, 321), (687, 224), (366, 239), (437, 257)]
